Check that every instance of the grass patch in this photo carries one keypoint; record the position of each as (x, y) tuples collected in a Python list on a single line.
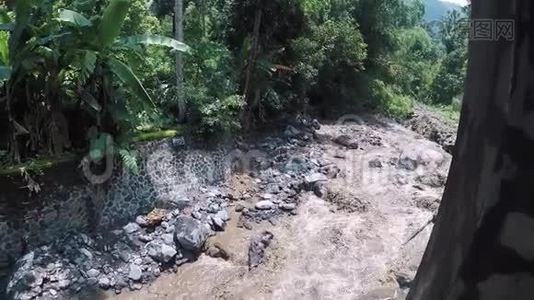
[(35, 165), (156, 135)]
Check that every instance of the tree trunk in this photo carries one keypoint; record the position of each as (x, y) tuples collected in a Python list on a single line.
[(251, 63), (13, 143), (179, 35), (482, 245)]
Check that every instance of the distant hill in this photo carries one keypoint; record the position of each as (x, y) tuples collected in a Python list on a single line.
[(435, 9)]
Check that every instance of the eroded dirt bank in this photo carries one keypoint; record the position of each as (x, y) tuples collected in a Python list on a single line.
[(348, 238)]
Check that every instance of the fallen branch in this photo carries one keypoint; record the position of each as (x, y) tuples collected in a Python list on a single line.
[(432, 220)]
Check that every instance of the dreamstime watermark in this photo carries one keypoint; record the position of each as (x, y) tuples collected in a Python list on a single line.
[(89, 159), (491, 29), (485, 29)]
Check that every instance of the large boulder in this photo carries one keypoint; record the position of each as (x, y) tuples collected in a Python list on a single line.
[(190, 234), (26, 279), (347, 141)]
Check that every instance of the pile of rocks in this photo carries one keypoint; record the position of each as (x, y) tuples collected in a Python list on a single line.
[(127, 258), (164, 239)]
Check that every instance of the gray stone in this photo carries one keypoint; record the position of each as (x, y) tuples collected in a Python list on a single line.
[(93, 273), (145, 238), (135, 272), (239, 207), (124, 256), (168, 239), (347, 141), (288, 206), (265, 205), (141, 221), (104, 283), (218, 223), (63, 284), (223, 215), (167, 253), (52, 292), (267, 196), (375, 163), (409, 160), (190, 234), (197, 215), (87, 253), (256, 251), (315, 177), (131, 228), (320, 190), (291, 131)]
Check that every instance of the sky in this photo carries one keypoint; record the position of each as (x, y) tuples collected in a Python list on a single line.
[(458, 2)]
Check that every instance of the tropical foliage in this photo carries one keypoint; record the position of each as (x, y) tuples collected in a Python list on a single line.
[(75, 71)]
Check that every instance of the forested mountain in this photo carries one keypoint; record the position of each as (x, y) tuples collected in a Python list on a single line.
[(436, 9)]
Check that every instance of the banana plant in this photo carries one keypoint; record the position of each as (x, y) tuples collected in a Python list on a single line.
[(46, 61), (97, 47)]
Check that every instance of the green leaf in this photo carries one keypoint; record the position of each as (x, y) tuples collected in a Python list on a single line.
[(88, 64), (127, 76), (75, 18), (156, 40), (112, 20), (91, 101)]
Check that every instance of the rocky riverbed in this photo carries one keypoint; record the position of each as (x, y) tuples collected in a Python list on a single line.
[(313, 212)]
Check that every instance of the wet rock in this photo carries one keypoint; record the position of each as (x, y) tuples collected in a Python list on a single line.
[(404, 280), (239, 207), (375, 163), (288, 206), (217, 251), (256, 251), (315, 124), (218, 223), (434, 180), (135, 272), (314, 178), (346, 201), (265, 205), (428, 202), (292, 131), (320, 190), (347, 141), (408, 161), (190, 234), (131, 228)]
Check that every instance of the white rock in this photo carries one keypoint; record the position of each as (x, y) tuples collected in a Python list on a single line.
[(135, 272), (316, 177), (265, 205)]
